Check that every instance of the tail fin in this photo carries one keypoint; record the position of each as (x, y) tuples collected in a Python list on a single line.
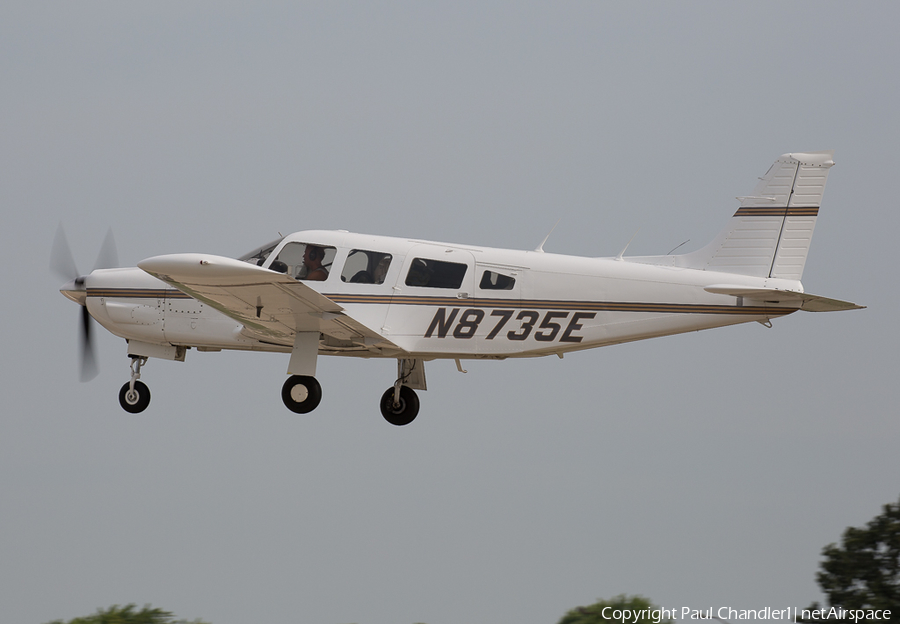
[(769, 235)]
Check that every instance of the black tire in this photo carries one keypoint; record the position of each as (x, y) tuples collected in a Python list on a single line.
[(134, 402), (301, 394), (405, 411)]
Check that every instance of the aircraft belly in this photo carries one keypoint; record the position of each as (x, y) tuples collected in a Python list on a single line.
[(616, 328)]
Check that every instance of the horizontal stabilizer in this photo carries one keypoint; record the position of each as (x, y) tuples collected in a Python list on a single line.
[(810, 303)]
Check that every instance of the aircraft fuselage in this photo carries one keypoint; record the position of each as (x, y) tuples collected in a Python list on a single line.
[(553, 303)]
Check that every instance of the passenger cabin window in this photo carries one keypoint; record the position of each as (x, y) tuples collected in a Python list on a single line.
[(304, 261), (435, 274), (496, 281), (259, 255), (366, 267)]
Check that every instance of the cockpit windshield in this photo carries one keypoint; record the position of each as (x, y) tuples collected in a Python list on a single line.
[(258, 256)]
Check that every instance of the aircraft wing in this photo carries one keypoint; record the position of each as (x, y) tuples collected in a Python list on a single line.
[(272, 306), (805, 301)]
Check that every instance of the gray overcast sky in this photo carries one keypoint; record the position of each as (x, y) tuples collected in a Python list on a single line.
[(701, 470)]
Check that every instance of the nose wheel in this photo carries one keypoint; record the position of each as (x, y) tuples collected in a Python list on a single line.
[(134, 400), (134, 397)]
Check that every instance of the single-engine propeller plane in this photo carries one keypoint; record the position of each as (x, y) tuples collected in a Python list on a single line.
[(337, 293)]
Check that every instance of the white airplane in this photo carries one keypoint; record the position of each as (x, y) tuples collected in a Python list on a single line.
[(337, 293)]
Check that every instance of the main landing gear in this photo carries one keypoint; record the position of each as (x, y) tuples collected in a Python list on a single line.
[(399, 404), (301, 394), (134, 397)]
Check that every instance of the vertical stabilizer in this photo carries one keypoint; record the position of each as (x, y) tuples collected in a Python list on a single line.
[(770, 233)]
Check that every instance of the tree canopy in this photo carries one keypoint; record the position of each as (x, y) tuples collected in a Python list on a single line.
[(640, 611), (864, 571), (128, 615)]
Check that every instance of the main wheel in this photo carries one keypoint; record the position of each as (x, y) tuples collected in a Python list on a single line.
[(301, 394), (137, 400), (405, 411)]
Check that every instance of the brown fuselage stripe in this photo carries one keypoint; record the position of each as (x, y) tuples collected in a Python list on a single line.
[(550, 304), (772, 211), (534, 304), (138, 293)]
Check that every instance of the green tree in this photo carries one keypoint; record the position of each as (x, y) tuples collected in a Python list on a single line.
[(864, 571), (128, 615), (635, 605)]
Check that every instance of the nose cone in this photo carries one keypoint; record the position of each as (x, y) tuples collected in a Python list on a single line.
[(75, 290)]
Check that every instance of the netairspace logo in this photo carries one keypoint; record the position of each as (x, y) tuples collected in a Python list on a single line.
[(838, 614), (848, 615)]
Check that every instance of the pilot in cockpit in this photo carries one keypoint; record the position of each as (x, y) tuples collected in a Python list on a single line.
[(304, 262), (312, 260)]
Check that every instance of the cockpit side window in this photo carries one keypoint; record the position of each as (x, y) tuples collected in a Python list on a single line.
[(496, 281), (435, 273), (259, 255), (366, 267), (304, 261)]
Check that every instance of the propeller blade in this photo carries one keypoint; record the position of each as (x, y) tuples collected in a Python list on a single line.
[(61, 260), (108, 258), (63, 263), (88, 360)]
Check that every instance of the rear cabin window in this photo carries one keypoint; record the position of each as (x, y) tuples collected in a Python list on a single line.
[(496, 281), (366, 267), (304, 261), (435, 273)]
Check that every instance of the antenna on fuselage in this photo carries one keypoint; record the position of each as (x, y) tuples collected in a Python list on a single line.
[(540, 248), (622, 253), (684, 243)]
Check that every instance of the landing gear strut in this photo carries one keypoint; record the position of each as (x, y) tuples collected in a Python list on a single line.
[(134, 397)]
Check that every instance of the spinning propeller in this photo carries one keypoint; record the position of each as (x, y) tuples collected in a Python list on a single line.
[(63, 264)]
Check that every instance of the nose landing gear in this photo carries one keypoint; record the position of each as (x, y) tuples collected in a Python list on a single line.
[(134, 397)]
